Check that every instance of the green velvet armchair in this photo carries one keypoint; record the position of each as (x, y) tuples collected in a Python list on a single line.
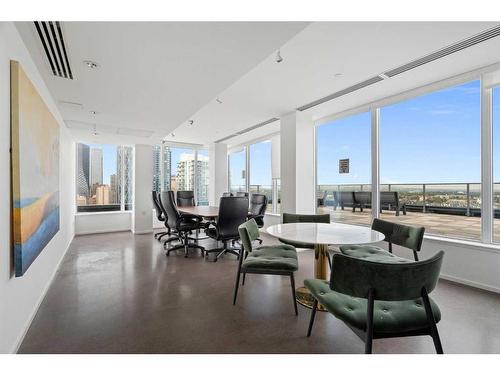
[(268, 260), (395, 234), (380, 300), (297, 218)]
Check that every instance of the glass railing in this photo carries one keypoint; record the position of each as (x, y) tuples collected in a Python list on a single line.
[(449, 198)]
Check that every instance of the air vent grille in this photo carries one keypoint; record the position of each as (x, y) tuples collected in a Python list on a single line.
[(491, 33), (51, 37), (343, 92), (271, 120)]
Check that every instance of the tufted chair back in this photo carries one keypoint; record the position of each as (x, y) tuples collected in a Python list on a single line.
[(389, 281), (298, 218), (401, 235), (185, 198), (249, 231), (258, 204)]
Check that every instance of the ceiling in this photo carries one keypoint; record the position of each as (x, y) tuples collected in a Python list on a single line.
[(313, 58), (153, 76)]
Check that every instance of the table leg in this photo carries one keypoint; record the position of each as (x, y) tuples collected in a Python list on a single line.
[(321, 271)]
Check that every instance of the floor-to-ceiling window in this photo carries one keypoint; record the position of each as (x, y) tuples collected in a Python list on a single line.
[(496, 162), (237, 171), (343, 169), (182, 168), (260, 175), (103, 177), (202, 173), (430, 157)]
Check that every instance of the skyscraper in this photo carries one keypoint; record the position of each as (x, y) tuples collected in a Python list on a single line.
[(167, 167), (83, 182), (113, 190), (187, 169), (95, 166), (124, 167), (157, 167)]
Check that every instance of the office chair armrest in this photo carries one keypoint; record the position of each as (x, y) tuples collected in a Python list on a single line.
[(252, 216), (186, 216)]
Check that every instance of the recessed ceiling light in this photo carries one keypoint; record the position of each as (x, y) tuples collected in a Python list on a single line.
[(278, 57), (91, 64), (93, 112)]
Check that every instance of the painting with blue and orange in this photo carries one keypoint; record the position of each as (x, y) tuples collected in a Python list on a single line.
[(35, 171)]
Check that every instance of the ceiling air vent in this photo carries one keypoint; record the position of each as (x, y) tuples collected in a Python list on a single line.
[(52, 40), (466, 43), (343, 92), (271, 120)]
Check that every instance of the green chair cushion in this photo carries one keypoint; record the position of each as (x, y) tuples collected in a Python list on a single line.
[(390, 317), (300, 245), (372, 253), (278, 257)]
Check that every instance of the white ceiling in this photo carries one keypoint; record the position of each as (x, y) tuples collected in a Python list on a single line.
[(156, 76), (153, 76), (357, 50)]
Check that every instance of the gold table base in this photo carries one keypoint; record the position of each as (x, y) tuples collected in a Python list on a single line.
[(321, 267)]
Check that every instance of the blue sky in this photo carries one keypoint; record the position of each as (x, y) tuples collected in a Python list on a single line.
[(260, 165), (431, 138)]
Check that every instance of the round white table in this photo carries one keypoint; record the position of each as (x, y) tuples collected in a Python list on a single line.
[(321, 235)]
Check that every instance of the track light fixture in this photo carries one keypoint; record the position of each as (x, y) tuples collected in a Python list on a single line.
[(278, 57)]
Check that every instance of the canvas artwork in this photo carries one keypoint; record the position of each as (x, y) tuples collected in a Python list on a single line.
[(35, 171)]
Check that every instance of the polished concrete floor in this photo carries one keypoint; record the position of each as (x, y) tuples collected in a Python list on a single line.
[(119, 293)]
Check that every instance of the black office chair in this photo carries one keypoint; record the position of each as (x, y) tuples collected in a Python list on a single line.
[(183, 224), (242, 194), (185, 198), (258, 207), (227, 194), (233, 211), (159, 215)]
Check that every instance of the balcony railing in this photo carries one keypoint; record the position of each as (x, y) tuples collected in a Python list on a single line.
[(446, 198)]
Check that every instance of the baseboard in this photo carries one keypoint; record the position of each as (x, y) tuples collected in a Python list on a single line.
[(84, 233), (20, 339), (143, 231), (471, 283)]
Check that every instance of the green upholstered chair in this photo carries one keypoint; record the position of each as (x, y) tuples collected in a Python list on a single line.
[(397, 234), (297, 218), (268, 260), (381, 300)]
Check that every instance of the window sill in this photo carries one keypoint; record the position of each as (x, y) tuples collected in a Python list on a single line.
[(102, 213)]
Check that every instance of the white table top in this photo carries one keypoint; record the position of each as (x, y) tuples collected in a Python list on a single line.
[(326, 234)]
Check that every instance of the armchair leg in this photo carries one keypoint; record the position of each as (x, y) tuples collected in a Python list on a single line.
[(432, 322), (292, 281), (243, 281), (236, 286), (329, 260), (369, 322), (313, 315), (259, 240)]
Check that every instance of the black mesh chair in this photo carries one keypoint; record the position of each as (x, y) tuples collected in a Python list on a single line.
[(185, 198), (171, 232), (233, 211), (227, 194), (159, 215), (183, 224), (258, 207)]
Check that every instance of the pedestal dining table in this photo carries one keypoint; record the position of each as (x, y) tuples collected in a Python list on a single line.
[(322, 235)]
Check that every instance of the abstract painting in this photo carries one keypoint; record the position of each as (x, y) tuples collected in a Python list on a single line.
[(34, 171)]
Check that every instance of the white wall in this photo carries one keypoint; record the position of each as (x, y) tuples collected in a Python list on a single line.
[(143, 176), (20, 297), (218, 174), (102, 222)]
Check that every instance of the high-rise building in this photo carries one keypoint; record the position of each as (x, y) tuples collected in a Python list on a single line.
[(96, 166), (113, 189), (124, 167), (102, 194), (83, 182), (167, 167), (187, 169), (157, 168)]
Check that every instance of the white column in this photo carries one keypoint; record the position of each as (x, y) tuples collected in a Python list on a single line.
[(486, 165), (375, 115), (297, 163), (142, 220), (217, 164)]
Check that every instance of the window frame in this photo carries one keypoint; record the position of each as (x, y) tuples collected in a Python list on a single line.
[(486, 135)]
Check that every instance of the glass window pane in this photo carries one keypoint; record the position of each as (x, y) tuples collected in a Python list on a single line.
[(344, 169), (430, 168), (182, 169), (97, 177), (496, 163), (125, 167), (202, 178), (237, 171), (157, 159), (261, 170)]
